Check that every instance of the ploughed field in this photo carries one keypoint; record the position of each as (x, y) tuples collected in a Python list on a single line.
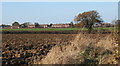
[(25, 48)]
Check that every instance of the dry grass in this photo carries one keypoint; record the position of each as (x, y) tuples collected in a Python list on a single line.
[(84, 49)]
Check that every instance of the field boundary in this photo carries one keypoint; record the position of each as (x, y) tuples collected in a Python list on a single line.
[(54, 32)]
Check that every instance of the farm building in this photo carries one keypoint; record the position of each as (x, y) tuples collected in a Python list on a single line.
[(15, 27), (31, 26), (43, 25), (103, 25), (61, 26)]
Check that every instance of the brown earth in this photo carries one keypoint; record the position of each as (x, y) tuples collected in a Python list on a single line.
[(26, 48), (57, 48)]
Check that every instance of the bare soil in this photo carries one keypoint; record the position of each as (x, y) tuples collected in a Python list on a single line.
[(26, 48), (57, 48)]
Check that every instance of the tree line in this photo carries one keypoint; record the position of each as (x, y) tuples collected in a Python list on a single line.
[(26, 24), (85, 19)]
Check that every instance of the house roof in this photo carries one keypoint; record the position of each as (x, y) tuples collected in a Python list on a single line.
[(32, 25), (105, 23), (43, 24), (15, 26), (60, 24)]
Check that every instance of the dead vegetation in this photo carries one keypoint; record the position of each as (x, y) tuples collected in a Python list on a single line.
[(84, 49)]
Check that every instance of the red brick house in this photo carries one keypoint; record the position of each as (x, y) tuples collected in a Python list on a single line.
[(31, 26), (43, 25), (15, 27), (60, 25)]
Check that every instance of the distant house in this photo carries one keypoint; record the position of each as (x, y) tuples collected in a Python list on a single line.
[(0, 26), (97, 25), (61, 26), (103, 25), (5, 26), (43, 25), (15, 27), (31, 26), (22, 26)]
